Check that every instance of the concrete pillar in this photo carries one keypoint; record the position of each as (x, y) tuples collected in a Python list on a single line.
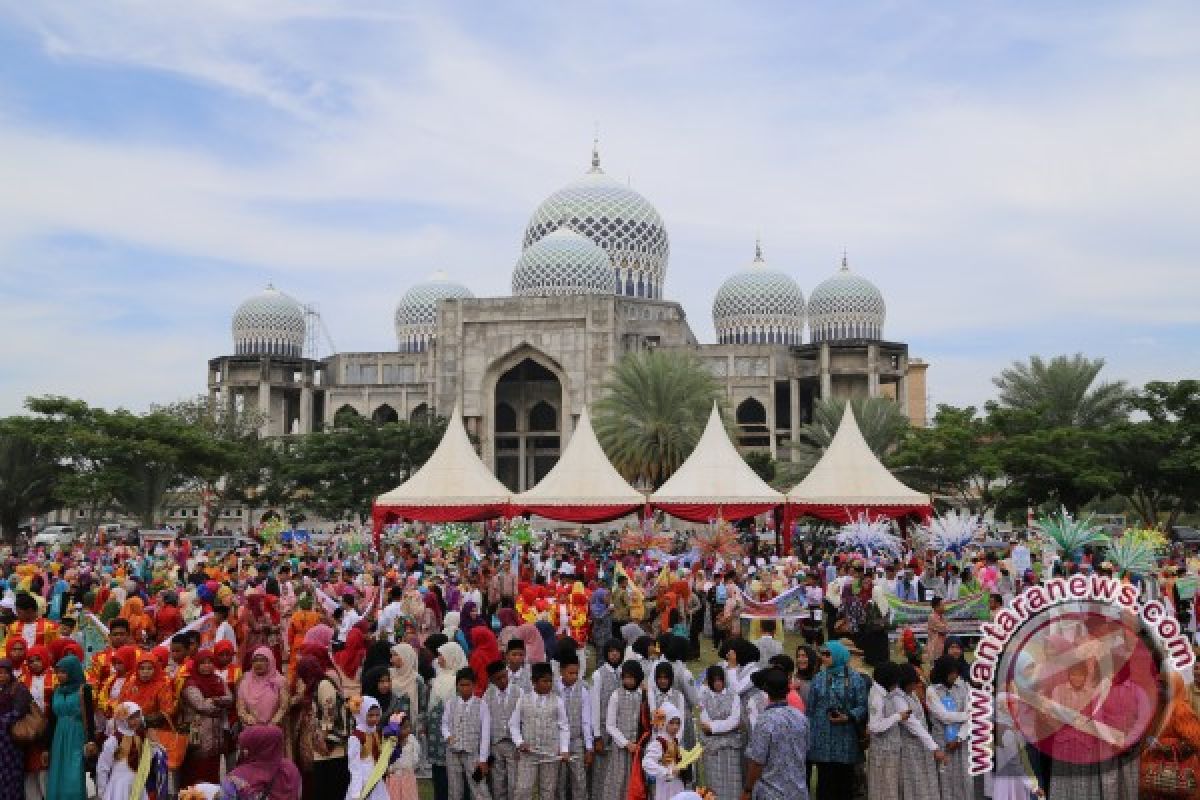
[(794, 397), (306, 409), (264, 406), (902, 394), (823, 370), (872, 370), (771, 416)]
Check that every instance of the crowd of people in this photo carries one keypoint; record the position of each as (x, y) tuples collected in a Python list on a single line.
[(498, 671)]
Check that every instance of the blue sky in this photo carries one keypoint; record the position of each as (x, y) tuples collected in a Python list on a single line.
[(1017, 177)]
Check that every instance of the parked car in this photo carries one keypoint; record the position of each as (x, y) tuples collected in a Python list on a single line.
[(55, 536), (1185, 535)]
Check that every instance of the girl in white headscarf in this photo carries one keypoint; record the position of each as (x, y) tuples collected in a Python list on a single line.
[(663, 753), (363, 752), (117, 769), (450, 660)]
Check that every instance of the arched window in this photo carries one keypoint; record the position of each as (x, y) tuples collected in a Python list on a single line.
[(344, 416), (543, 417), (420, 414), (384, 414), (506, 418)]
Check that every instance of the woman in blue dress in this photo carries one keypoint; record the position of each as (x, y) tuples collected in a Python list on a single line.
[(70, 716)]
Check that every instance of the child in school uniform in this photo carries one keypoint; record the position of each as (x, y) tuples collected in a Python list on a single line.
[(622, 721), (605, 681), (501, 699), (467, 730), (572, 777), (661, 761), (363, 749), (720, 721), (540, 730)]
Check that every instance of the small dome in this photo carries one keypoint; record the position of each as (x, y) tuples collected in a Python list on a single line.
[(270, 323), (616, 218), (416, 313), (759, 305), (846, 306), (563, 263)]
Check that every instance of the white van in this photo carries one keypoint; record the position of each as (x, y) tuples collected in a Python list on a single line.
[(55, 535)]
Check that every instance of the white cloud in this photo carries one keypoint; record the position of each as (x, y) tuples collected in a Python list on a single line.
[(998, 170)]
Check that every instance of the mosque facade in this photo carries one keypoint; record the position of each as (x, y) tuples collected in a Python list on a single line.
[(587, 289)]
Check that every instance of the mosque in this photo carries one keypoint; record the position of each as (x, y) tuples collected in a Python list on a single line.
[(587, 288)]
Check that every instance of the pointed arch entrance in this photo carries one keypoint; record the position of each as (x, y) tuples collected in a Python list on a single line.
[(527, 421)]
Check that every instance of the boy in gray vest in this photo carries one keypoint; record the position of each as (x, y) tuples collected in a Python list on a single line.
[(466, 727), (518, 670), (572, 777), (542, 735), (501, 699)]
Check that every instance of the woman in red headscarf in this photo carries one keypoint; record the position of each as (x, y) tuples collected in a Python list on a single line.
[(484, 650), (122, 667), (349, 660), (39, 679), (261, 626), (203, 706), (152, 690)]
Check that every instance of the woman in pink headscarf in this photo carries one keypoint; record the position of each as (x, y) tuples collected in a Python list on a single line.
[(261, 696), (535, 647), (262, 769)]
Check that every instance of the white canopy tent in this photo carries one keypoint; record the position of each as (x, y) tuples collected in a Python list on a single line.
[(583, 486), (454, 485), (849, 480), (715, 482)]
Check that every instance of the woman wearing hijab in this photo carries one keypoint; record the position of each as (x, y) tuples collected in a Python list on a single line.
[(204, 704), (470, 619), (350, 658), (140, 624), (298, 738), (379, 654), (262, 770), (431, 619), (14, 704), (535, 647), (807, 664), (152, 690), (873, 635), (450, 660), (508, 626), (72, 709), (407, 683), (837, 705), (38, 678), (377, 683), (452, 631), (484, 650), (261, 698), (947, 699)]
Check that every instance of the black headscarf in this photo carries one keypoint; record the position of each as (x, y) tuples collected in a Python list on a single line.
[(379, 654), (548, 638), (370, 688)]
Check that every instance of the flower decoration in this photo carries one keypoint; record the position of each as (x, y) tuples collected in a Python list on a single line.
[(718, 541), (450, 537), (643, 539), (869, 537)]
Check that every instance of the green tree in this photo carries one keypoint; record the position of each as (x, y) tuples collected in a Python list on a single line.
[(30, 470), (880, 419), (240, 475), (1063, 390), (1048, 466), (129, 460), (339, 472), (953, 458), (1158, 456), (652, 411)]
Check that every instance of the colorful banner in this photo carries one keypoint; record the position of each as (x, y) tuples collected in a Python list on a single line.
[(791, 604), (971, 607)]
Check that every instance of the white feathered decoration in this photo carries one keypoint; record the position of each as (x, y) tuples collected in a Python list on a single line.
[(951, 532), (871, 538)]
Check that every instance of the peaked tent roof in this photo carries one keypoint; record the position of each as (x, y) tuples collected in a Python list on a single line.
[(715, 481), (849, 476), (452, 486), (583, 486)]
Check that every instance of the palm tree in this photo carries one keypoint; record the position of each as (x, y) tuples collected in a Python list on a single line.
[(652, 411), (879, 418), (1061, 390)]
